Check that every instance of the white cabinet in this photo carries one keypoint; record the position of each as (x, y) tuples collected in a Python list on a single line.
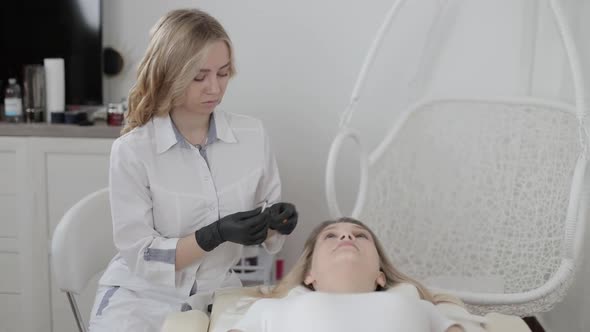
[(40, 178), (67, 170), (16, 264)]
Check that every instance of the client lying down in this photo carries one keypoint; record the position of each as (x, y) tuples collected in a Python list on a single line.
[(343, 281)]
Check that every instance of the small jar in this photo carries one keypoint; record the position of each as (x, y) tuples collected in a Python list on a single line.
[(115, 114)]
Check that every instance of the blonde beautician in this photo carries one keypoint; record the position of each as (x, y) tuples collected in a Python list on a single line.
[(187, 182)]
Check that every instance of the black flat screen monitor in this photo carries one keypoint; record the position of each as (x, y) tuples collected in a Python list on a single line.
[(31, 30)]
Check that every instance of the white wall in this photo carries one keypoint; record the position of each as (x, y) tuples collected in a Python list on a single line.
[(572, 313), (297, 62)]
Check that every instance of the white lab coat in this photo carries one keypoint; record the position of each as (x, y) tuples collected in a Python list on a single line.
[(163, 188)]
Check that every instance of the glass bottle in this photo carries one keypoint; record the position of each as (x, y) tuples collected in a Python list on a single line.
[(13, 102)]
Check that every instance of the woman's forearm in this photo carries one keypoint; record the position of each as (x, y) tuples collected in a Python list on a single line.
[(270, 233), (187, 252)]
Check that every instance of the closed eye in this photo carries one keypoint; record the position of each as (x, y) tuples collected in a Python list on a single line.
[(201, 78), (362, 235)]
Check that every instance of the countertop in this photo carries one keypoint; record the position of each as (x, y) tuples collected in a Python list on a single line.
[(99, 130)]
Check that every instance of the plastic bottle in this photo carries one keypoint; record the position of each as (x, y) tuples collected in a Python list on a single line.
[(13, 102)]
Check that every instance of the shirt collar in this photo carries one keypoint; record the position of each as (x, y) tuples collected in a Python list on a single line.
[(222, 129), (167, 135), (401, 288)]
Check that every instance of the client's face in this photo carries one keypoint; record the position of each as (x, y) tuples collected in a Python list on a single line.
[(345, 253)]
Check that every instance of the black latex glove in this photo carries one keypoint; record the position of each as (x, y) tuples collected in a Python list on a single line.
[(247, 228), (283, 217)]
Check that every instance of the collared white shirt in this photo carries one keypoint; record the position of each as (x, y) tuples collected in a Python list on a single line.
[(162, 188)]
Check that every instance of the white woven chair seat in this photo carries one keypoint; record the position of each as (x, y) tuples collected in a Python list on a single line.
[(473, 196)]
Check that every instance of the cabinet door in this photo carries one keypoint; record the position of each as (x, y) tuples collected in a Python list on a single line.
[(17, 285), (67, 170)]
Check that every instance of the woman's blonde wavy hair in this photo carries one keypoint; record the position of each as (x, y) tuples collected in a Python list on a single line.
[(392, 276), (178, 44)]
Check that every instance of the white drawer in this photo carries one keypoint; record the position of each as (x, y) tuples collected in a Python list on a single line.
[(11, 269), (11, 319), (8, 216), (7, 172)]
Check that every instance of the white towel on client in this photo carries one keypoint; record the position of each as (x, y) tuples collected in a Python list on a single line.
[(328, 312)]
